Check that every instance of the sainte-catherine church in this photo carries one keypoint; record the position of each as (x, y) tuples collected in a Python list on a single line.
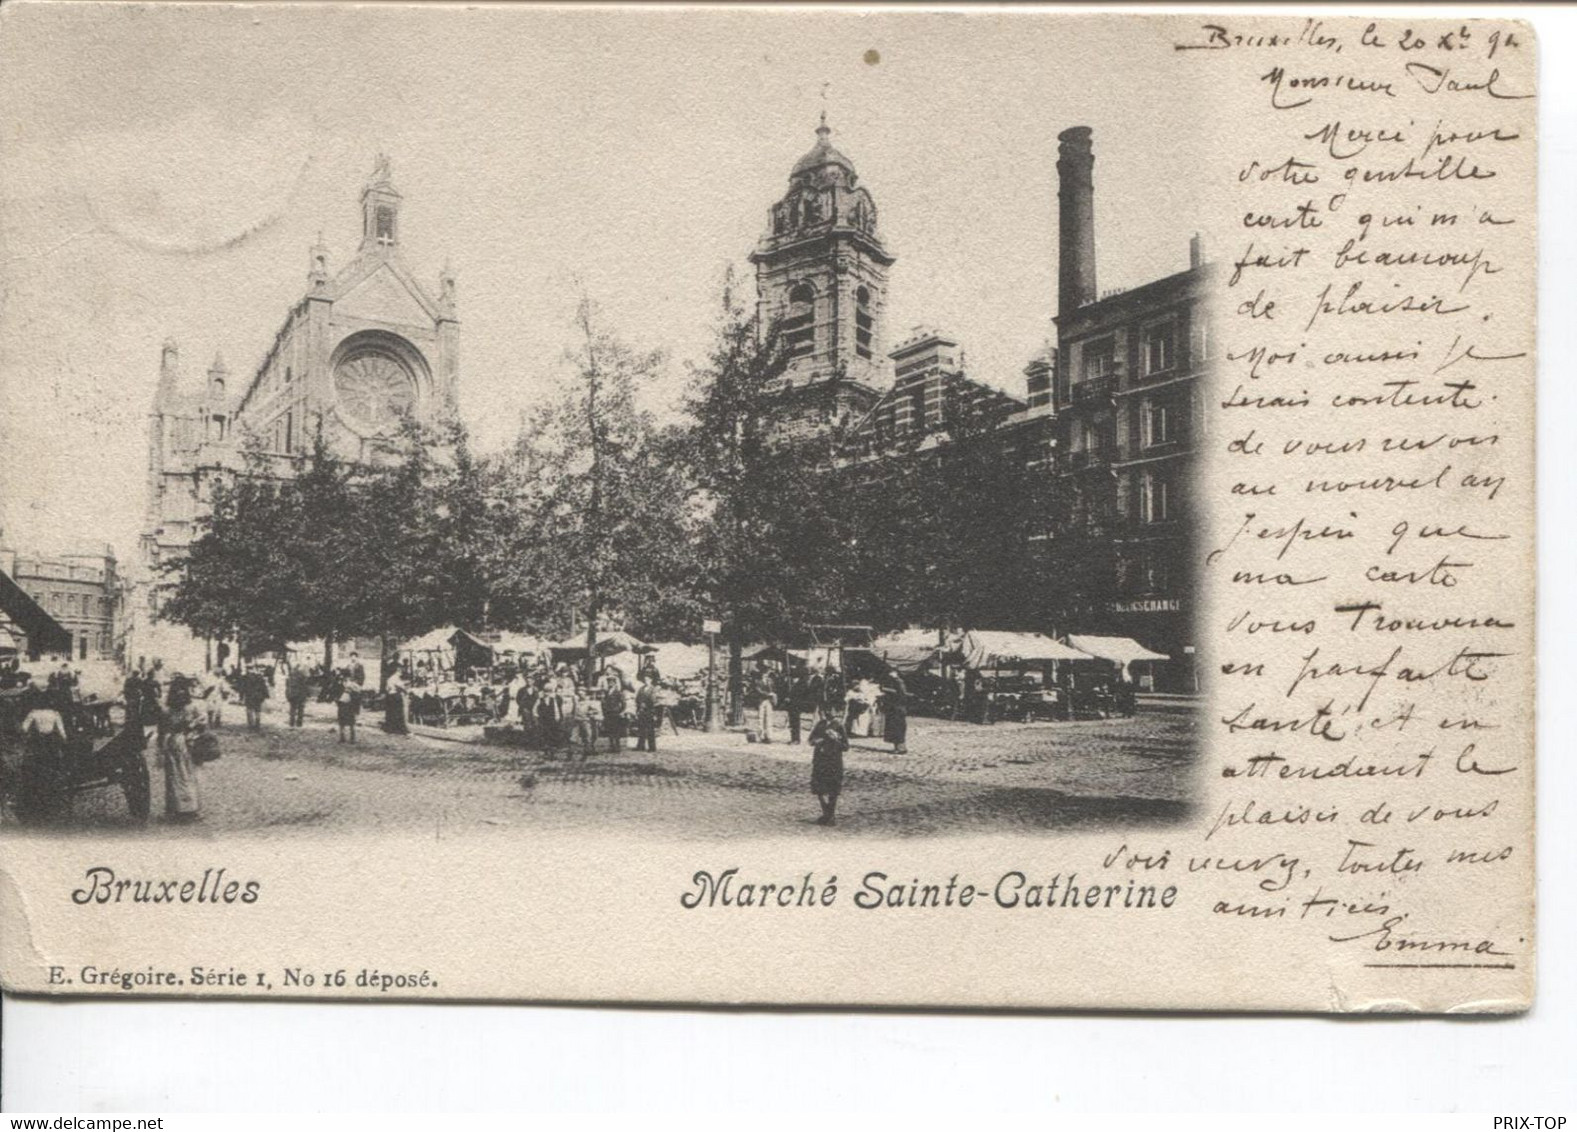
[(365, 345)]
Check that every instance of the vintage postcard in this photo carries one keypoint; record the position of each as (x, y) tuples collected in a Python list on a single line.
[(834, 506)]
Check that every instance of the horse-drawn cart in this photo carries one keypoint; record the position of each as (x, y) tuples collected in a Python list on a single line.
[(43, 766)]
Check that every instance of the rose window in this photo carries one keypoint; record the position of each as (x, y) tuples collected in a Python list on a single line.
[(374, 390)]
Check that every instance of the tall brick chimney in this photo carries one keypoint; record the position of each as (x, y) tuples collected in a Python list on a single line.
[(1076, 220)]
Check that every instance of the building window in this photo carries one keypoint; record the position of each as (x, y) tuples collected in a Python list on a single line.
[(1100, 359), (862, 322), (799, 328), (1155, 498), (1160, 348), (289, 375), (1158, 423), (385, 226)]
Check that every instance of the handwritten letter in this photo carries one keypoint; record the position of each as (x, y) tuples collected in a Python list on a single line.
[(1369, 466)]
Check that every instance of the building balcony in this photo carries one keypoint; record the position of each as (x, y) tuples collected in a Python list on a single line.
[(1090, 458), (1094, 390)]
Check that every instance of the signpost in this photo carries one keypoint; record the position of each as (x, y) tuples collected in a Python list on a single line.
[(711, 629)]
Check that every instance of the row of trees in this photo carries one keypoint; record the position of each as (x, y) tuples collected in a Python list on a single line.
[(597, 516)]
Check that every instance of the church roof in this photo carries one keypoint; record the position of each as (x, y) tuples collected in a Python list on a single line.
[(822, 153)]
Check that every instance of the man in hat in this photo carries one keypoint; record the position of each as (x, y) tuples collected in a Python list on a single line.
[(254, 690), (648, 713), (296, 692)]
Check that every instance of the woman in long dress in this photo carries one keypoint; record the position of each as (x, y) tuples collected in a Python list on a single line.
[(182, 720), (828, 742), (394, 706), (895, 713)]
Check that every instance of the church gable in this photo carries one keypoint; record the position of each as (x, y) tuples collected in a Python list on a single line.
[(383, 296)]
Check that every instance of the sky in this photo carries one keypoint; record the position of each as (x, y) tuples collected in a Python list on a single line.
[(165, 169)]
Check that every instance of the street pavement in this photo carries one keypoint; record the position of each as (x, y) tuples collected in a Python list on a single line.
[(956, 778)]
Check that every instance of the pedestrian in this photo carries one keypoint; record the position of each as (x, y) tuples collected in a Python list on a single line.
[(525, 702), (182, 720), (131, 697), (347, 707), (580, 726), (857, 717), (510, 702), (254, 690), (44, 736), (766, 703), (798, 700), (648, 713), (296, 692), (358, 673), (815, 689), (548, 719), (613, 705), (828, 742), (833, 691), (211, 691), (394, 705), (150, 713), (895, 713)]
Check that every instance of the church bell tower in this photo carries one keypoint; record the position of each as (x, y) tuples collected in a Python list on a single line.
[(380, 209), (821, 280)]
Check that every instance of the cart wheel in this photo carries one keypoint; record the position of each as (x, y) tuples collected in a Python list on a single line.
[(40, 792), (137, 785)]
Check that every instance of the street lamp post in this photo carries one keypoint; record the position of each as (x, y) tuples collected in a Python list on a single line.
[(711, 628)]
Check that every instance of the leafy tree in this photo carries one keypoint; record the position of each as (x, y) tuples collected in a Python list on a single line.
[(235, 580), (601, 530), (771, 547), (950, 535), (333, 549)]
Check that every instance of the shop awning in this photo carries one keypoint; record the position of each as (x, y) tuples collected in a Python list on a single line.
[(990, 648), (435, 641), (518, 643), (840, 636), (679, 661), (44, 633), (470, 651), (906, 658), (910, 638), (609, 643), (1123, 650)]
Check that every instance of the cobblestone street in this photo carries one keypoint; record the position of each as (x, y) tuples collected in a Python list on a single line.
[(956, 778)]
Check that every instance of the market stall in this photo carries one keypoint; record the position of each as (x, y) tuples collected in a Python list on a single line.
[(1125, 652), (426, 658), (1027, 676), (613, 642)]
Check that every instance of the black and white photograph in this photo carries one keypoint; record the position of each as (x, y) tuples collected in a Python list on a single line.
[(827, 465)]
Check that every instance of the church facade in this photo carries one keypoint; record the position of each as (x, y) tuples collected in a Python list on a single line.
[(365, 346)]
